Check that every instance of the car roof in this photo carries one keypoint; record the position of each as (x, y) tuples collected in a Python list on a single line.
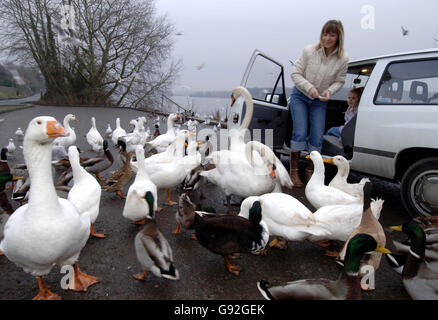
[(398, 54)]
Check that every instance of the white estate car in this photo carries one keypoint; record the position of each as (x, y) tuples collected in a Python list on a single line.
[(394, 135)]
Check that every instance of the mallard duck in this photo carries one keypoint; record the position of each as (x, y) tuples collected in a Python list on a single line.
[(226, 234), (419, 278), (120, 178), (320, 195), (339, 181), (136, 207), (243, 174), (153, 250), (5, 205), (369, 225), (431, 253), (94, 138), (185, 215), (48, 230), (346, 287), (86, 191), (70, 139), (4, 166), (157, 130), (118, 132), (161, 142), (286, 217)]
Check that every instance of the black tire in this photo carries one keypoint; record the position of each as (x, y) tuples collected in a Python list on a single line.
[(419, 188)]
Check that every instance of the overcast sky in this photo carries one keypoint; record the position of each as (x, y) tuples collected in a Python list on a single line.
[(222, 34)]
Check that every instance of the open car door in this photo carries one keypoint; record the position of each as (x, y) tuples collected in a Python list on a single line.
[(264, 79)]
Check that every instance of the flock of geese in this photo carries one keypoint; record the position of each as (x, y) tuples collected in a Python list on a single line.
[(47, 229)]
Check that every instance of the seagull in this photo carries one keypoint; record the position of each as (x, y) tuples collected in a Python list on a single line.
[(404, 31), (200, 67)]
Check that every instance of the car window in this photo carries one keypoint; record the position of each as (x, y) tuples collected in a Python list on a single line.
[(357, 76), (409, 82), (265, 81)]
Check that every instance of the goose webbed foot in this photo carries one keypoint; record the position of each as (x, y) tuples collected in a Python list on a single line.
[(44, 292), (81, 281)]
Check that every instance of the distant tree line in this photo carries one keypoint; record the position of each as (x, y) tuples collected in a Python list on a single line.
[(101, 52)]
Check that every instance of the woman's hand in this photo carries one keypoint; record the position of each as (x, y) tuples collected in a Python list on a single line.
[(325, 96), (313, 93)]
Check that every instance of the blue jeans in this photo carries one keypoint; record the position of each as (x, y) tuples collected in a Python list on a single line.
[(303, 111), (334, 131)]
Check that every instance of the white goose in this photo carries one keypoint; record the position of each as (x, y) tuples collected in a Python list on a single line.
[(70, 139), (48, 230), (339, 181), (166, 175), (86, 191), (133, 138), (108, 131), (118, 132), (94, 138), (285, 217), (243, 174), (161, 142), (136, 207), (320, 195)]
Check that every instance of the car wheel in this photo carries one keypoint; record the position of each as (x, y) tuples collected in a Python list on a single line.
[(419, 188)]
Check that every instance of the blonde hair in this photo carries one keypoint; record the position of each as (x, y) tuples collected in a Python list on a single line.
[(334, 26), (358, 92)]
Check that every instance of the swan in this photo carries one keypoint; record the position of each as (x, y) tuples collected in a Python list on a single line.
[(136, 207), (161, 142), (339, 181), (94, 138), (243, 174), (86, 191), (70, 139), (320, 195), (47, 230), (237, 143), (118, 132)]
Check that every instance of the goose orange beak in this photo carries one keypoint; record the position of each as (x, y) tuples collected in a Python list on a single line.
[(328, 160), (272, 173), (54, 130)]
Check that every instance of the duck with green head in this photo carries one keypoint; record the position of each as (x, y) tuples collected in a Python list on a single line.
[(346, 287), (419, 278), (6, 177), (153, 250)]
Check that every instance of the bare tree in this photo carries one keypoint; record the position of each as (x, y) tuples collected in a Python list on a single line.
[(114, 51)]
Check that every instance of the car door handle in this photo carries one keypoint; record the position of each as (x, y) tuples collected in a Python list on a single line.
[(263, 120)]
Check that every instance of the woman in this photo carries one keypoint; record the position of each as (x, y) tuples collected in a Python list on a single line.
[(353, 99), (319, 73)]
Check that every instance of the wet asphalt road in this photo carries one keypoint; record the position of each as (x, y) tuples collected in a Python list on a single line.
[(203, 275)]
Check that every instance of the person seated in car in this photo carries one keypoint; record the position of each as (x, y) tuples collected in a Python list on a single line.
[(353, 102)]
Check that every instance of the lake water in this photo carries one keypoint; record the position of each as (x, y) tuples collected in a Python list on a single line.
[(204, 106)]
